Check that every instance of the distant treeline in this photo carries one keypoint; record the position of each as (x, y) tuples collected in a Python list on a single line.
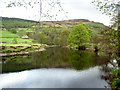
[(18, 19), (16, 23)]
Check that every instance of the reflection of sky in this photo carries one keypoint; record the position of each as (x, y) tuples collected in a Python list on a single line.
[(53, 78), (77, 9)]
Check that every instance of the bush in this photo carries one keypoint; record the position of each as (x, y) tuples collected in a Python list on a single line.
[(116, 81), (13, 30)]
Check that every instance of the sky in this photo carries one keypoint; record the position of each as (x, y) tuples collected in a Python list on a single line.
[(77, 9)]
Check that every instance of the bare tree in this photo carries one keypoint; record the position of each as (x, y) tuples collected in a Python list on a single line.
[(48, 9)]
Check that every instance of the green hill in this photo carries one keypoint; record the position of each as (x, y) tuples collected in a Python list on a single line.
[(49, 31), (16, 23)]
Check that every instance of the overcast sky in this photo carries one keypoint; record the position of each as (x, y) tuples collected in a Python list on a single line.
[(77, 9)]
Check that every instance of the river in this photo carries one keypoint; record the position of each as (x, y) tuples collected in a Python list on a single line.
[(56, 67)]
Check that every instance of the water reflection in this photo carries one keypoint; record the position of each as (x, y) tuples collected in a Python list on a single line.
[(54, 78), (54, 57), (78, 69), (80, 60)]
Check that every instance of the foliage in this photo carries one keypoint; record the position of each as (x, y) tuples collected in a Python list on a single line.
[(109, 40), (13, 30), (16, 22), (21, 32), (40, 38), (111, 8), (80, 60), (106, 6), (116, 73), (116, 81), (111, 35), (79, 35), (96, 26), (96, 38), (64, 37)]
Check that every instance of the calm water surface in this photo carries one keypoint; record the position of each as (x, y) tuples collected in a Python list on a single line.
[(55, 67)]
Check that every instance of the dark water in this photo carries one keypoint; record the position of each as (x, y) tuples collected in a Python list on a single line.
[(56, 67)]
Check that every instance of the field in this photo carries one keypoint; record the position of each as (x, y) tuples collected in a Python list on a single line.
[(6, 33), (18, 40), (14, 43)]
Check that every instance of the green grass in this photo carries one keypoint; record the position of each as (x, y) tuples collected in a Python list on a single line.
[(10, 44), (23, 47), (19, 40), (25, 29), (6, 33)]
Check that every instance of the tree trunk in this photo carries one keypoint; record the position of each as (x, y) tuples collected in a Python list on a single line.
[(96, 49), (119, 36), (81, 48)]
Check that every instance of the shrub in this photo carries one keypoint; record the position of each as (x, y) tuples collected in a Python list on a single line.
[(13, 30)]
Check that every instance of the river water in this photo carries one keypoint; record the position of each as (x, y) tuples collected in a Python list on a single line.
[(56, 67)]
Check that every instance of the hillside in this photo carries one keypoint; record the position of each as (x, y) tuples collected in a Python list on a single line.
[(16, 23), (16, 27), (23, 23), (18, 32), (75, 22)]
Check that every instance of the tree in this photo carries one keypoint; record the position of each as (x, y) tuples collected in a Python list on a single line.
[(13, 30), (107, 7), (64, 37), (21, 32), (111, 8), (79, 35), (48, 9), (40, 37)]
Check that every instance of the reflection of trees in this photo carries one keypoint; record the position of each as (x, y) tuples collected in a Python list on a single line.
[(80, 60), (83, 59), (100, 58), (56, 57), (52, 57)]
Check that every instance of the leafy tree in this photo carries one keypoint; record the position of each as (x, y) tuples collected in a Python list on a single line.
[(79, 35), (64, 37), (111, 8), (108, 7), (21, 32), (40, 37)]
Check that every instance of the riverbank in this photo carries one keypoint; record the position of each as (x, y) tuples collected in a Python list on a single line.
[(20, 53), (16, 49), (8, 50)]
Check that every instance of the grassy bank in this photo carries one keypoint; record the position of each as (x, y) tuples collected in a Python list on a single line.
[(10, 48)]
